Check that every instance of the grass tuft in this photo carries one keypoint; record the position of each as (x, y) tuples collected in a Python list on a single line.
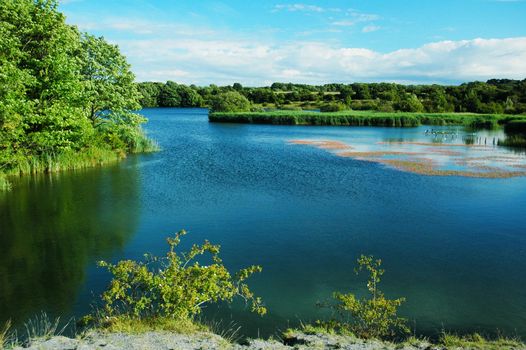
[(42, 327), (132, 325), (476, 341), (6, 337), (228, 331)]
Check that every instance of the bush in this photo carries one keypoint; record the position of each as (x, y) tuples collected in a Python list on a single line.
[(373, 317), (176, 286), (333, 107), (231, 101)]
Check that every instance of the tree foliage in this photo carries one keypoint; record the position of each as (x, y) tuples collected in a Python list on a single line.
[(61, 91), (176, 286), (493, 96), (230, 102)]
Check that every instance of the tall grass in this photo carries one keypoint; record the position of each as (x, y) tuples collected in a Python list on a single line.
[(55, 162), (68, 160), (4, 184), (363, 118), (476, 341), (42, 327), (5, 336)]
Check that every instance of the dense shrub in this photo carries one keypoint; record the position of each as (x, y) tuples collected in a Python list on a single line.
[(333, 107), (176, 286), (231, 101)]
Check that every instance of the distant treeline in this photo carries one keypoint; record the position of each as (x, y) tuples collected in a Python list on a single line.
[(494, 96)]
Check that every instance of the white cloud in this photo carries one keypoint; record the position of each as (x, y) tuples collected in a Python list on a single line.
[(345, 23), (138, 26), (370, 28), (304, 8), (255, 63), (356, 17), (298, 7)]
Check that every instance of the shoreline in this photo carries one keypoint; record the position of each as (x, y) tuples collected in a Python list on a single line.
[(292, 339)]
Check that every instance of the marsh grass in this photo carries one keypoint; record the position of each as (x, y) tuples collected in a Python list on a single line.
[(72, 160), (366, 118), (90, 157), (7, 338), (516, 141), (5, 185)]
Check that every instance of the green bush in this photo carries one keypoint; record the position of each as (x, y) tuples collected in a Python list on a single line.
[(231, 101), (373, 317), (333, 107), (176, 286)]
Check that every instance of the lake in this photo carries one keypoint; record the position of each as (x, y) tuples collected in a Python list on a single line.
[(453, 246)]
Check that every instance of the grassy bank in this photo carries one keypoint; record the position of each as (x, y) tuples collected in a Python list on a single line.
[(365, 118), (90, 157), (44, 334)]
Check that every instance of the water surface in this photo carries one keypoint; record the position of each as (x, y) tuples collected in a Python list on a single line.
[(453, 246)]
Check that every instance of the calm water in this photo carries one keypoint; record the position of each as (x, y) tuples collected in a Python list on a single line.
[(454, 247)]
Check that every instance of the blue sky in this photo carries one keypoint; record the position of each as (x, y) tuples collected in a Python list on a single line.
[(258, 42)]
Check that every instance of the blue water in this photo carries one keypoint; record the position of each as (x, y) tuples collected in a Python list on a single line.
[(454, 247)]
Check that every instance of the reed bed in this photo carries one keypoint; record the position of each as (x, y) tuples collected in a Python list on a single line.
[(365, 118)]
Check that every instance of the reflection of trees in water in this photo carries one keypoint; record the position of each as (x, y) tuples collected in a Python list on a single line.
[(52, 227)]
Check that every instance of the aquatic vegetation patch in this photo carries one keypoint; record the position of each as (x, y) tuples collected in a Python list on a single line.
[(323, 144), (434, 144), (465, 160), (377, 154)]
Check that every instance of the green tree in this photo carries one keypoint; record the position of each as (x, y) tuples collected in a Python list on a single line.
[(230, 102), (40, 110), (149, 94), (409, 103), (109, 82), (63, 95), (189, 97), (169, 95)]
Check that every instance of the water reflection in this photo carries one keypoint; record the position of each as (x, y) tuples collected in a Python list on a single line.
[(52, 227)]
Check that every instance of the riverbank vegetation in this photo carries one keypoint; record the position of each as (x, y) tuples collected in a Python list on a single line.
[(166, 294), (174, 288), (66, 98), (366, 118), (372, 317)]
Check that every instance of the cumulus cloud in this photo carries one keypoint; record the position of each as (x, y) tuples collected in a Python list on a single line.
[(256, 63)]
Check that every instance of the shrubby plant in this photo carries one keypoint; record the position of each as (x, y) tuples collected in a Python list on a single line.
[(231, 101), (177, 285), (374, 316), (333, 107)]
